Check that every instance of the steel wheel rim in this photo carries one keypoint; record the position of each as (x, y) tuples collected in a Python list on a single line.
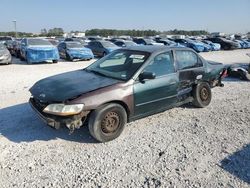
[(110, 123), (204, 94)]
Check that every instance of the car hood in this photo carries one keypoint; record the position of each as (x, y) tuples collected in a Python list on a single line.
[(4, 52), (70, 85)]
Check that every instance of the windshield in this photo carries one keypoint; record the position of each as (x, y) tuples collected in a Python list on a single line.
[(74, 45), (107, 44), (38, 42), (120, 65)]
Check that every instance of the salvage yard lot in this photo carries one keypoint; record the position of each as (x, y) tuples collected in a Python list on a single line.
[(182, 147)]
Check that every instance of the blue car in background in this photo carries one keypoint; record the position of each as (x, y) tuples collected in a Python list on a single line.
[(246, 43), (36, 50), (214, 46), (74, 50), (197, 46), (101, 47), (241, 43)]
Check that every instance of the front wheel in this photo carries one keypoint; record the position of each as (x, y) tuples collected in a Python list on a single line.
[(107, 122), (55, 61), (202, 95)]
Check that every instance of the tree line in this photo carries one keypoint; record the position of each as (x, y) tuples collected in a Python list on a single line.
[(109, 32), (140, 33)]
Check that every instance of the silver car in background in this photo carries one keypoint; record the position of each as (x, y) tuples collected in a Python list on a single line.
[(5, 56)]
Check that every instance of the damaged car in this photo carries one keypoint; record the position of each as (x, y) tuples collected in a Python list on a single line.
[(241, 71), (74, 51), (126, 85), (5, 56), (36, 50)]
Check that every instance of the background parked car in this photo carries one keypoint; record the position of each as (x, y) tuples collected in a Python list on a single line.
[(17, 47), (225, 43), (142, 41), (125, 43), (214, 46), (74, 50), (167, 42), (4, 39), (54, 41), (197, 46), (75, 40), (5, 56), (10, 46), (246, 42), (102, 47), (35, 50)]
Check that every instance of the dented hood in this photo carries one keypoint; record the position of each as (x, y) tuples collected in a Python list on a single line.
[(69, 85)]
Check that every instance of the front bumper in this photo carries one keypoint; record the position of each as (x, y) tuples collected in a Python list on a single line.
[(57, 121)]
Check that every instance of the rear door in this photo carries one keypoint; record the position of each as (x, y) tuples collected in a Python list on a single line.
[(190, 68), (151, 96)]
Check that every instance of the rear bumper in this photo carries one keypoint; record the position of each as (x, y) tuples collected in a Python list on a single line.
[(56, 121), (33, 56)]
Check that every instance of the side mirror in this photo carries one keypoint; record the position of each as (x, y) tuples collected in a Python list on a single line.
[(146, 76)]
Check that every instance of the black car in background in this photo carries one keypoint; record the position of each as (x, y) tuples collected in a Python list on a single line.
[(101, 47), (225, 43)]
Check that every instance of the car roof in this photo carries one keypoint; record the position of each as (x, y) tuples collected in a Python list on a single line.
[(152, 48)]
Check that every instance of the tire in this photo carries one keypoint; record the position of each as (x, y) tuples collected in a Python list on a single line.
[(68, 57), (55, 61), (202, 95), (107, 122)]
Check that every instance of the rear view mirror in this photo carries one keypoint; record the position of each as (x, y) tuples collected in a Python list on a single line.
[(146, 76)]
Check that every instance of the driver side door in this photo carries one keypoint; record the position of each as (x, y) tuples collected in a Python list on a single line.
[(155, 95)]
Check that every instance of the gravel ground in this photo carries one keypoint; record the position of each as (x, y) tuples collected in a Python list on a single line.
[(182, 147)]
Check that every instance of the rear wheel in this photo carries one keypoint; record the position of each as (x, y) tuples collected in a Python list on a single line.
[(202, 95), (107, 122), (68, 57)]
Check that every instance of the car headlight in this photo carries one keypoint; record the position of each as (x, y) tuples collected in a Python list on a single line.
[(4, 56), (63, 109)]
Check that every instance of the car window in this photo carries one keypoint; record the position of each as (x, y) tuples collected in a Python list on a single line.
[(162, 64), (187, 59)]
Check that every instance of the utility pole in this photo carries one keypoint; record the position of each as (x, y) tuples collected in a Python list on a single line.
[(14, 21)]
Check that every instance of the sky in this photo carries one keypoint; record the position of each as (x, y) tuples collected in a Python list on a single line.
[(229, 16)]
